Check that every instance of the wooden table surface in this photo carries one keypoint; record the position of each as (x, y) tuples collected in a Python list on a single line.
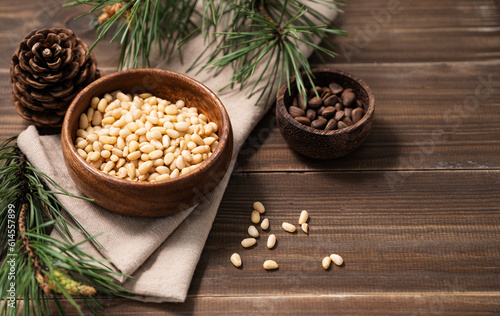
[(415, 211)]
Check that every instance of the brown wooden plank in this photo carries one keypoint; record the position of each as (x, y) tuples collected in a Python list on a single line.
[(432, 232), (451, 30), (431, 242), (17, 19), (409, 31), (414, 104), (474, 304)]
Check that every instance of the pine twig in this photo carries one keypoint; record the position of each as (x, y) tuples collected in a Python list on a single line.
[(37, 267), (276, 28)]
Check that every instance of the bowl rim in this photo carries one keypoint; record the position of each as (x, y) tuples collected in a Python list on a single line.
[(280, 104), (224, 137)]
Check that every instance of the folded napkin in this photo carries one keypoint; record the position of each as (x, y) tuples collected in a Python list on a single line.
[(160, 253)]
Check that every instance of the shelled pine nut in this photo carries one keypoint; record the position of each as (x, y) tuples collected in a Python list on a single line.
[(121, 128), (236, 260), (271, 241), (337, 259), (305, 228), (252, 231), (288, 227), (270, 265), (304, 215), (264, 224), (326, 262), (248, 242), (255, 217), (259, 207)]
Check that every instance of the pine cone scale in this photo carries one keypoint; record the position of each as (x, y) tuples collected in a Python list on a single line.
[(55, 65), (63, 92), (30, 104), (48, 69), (34, 83)]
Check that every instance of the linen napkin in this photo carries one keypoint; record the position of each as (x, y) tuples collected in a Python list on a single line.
[(160, 253)]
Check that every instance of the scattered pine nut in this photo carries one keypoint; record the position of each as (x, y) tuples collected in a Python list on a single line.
[(305, 228), (264, 224), (236, 260), (259, 207), (270, 265), (326, 262), (252, 231), (304, 215), (271, 241), (337, 259), (248, 242), (288, 227), (255, 217)]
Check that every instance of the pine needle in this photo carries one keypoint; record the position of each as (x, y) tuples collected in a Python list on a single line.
[(36, 267), (243, 33)]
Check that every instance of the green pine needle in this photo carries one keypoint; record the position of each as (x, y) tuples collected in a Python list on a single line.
[(36, 267), (245, 34)]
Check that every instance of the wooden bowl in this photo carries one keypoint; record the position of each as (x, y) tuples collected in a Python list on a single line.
[(145, 198), (325, 144)]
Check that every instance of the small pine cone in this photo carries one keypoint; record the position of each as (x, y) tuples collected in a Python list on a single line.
[(48, 69)]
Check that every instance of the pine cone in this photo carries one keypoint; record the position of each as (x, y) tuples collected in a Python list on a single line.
[(47, 70)]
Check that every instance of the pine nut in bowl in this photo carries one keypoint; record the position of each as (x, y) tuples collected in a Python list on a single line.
[(146, 142), (331, 125)]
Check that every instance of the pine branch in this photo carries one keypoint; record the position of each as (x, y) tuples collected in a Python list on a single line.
[(272, 35), (243, 33), (35, 267)]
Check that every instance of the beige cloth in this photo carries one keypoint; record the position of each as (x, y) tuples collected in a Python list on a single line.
[(161, 253)]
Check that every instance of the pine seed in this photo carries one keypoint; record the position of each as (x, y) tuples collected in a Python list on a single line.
[(264, 224), (271, 241), (288, 227), (248, 242), (259, 207), (326, 262), (236, 260), (305, 228), (337, 259), (304, 215), (255, 217), (252, 231), (270, 265)]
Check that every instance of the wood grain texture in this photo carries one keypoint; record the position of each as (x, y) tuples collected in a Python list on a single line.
[(427, 116), (419, 236), (389, 304), (18, 20), (414, 212), (417, 31)]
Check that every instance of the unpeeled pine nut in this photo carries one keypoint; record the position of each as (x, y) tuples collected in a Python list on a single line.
[(271, 241), (258, 206), (288, 227), (326, 262), (264, 224), (337, 259), (252, 231), (304, 215), (236, 260), (247, 242), (255, 217), (270, 265)]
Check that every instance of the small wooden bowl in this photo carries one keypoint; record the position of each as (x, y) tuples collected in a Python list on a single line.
[(325, 144), (145, 198)]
